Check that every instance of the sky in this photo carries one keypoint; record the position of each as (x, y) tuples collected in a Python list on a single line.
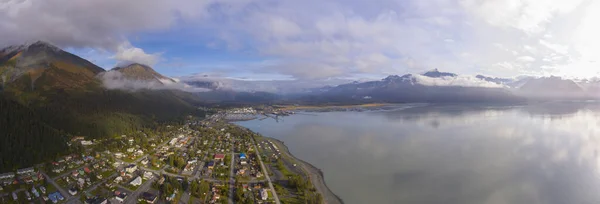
[(318, 39)]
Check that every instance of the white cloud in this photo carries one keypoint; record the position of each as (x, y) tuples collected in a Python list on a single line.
[(90, 23), (526, 59), (337, 38), (464, 81), (126, 54)]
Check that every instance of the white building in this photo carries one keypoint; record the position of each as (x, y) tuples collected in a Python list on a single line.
[(119, 155), (136, 182), (118, 179), (7, 175), (173, 141), (148, 175), (131, 168), (25, 170), (86, 142), (263, 194)]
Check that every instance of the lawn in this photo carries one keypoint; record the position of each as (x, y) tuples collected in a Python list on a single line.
[(106, 174), (128, 160), (50, 188)]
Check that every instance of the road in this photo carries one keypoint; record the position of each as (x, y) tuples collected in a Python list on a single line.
[(62, 191), (231, 179), (90, 189), (185, 197), (262, 165), (131, 199), (196, 174)]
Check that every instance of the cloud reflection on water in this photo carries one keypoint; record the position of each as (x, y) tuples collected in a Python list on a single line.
[(452, 153)]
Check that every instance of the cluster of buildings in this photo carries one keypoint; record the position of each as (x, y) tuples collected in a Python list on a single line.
[(22, 176), (259, 190), (246, 166), (29, 176), (69, 162), (180, 141)]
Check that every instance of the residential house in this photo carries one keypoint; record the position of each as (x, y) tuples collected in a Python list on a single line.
[(80, 182), (219, 157), (119, 155), (136, 182), (25, 171), (264, 195), (131, 168), (145, 161), (148, 197), (96, 200), (73, 191), (9, 175), (119, 179), (148, 175), (120, 196)]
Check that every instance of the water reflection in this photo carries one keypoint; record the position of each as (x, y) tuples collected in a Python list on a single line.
[(452, 154)]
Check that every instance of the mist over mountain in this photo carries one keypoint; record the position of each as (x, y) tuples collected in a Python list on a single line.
[(432, 86), (272, 86), (138, 77)]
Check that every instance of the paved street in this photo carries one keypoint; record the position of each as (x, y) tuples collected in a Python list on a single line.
[(231, 179), (262, 165), (62, 191), (131, 199)]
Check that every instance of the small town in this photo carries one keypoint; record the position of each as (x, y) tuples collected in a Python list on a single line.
[(197, 161)]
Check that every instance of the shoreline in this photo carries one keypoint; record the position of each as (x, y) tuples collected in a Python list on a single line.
[(316, 175), (324, 107)]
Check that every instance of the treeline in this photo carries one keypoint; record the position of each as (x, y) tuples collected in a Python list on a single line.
[(100, 112), (111, 112), (35, 125), (25, 139)]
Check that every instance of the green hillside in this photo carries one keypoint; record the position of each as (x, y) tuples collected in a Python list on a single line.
[(48, 95)]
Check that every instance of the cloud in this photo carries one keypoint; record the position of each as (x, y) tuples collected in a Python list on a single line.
[(526, 59), (88, 23), (126, 54), (315, 39), (464, 81), (273, 86), (116, 80)]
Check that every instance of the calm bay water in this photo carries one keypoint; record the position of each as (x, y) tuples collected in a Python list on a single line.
[(451, 154)]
